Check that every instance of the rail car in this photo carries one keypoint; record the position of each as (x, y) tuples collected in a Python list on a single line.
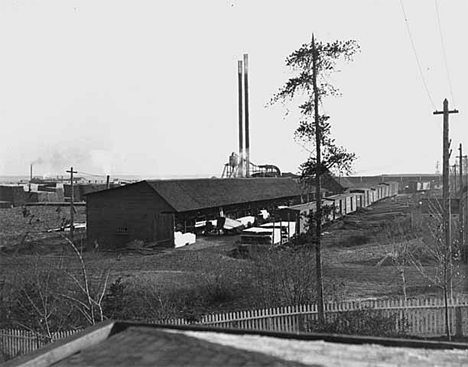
[(335, 207)]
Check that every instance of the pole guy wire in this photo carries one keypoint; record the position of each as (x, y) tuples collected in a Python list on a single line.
[(416, 54), (444, 52)]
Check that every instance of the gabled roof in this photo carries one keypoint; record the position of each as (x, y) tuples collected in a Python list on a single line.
[(195, 194)]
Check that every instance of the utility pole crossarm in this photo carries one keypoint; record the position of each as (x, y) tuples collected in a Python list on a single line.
[(445, 111), (442, 112), (462, 206)]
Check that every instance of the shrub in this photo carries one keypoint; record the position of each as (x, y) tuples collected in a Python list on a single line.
[(302, 239), (144, 301), (114, 301), (353, 241), (366, 322), (40, 301), (139, 302), (284, 277), (216, 289)]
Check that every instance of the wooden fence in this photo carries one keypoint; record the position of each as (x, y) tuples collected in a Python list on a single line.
[(425, 317), (18, 342)]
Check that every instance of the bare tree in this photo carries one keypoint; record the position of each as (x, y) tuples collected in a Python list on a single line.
[(88, 296), (285, 277), (400, 244), (436, 260), (51, 296), (37, 306)]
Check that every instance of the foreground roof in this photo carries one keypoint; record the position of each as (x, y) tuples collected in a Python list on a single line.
[(126, 344), (195, 194)]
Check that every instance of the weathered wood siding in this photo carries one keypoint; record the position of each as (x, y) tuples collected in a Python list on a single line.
[(115, 217)]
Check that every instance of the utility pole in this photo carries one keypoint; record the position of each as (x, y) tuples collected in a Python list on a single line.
[(30, 176), (446, 201), (72, 209), (318, 198), (462, 206), (460, 162), (455, 179)]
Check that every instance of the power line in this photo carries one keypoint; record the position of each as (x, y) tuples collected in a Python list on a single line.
[(416, 54), (91, 174), (104, 176), (443, 50)]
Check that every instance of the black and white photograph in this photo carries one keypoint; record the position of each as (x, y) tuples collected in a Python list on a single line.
[(234, 183)]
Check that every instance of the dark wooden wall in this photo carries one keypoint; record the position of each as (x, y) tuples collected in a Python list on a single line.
[(116, 217)]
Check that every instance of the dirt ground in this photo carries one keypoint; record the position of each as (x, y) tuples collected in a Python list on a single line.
[(349, 267)]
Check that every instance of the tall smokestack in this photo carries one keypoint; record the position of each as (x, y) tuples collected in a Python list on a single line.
[(246, 108), (241, 127), (30, 176)]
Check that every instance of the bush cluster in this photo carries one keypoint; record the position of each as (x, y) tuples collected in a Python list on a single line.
[(366, 322), (353, 241), (284, 277), (145, 302)]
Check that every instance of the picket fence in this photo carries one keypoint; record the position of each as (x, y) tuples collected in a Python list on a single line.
[(15, 342), (424, 317)]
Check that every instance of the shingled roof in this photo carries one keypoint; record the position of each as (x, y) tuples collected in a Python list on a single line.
[(195, 194), (114, 343)]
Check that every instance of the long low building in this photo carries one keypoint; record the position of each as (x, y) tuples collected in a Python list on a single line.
[(151, 210)]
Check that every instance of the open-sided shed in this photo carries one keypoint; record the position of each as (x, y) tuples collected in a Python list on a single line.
[(150, 210)]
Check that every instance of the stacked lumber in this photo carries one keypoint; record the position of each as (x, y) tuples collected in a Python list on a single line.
[(45, 197), (76, 192), (13, 194)]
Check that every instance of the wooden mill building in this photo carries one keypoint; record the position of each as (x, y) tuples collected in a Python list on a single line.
[(150, 210)]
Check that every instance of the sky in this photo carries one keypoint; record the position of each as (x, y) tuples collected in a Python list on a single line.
[(149, 88)]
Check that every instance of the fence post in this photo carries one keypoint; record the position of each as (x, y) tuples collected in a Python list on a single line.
[(458, 321), (300, 319)]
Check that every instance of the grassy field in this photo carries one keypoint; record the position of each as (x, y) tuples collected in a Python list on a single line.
[(352, 250), (25, 228)]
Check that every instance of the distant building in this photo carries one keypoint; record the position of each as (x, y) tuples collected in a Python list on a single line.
[(409, 183), (150, 210)]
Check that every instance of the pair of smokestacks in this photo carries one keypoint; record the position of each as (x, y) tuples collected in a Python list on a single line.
[(243, 83)]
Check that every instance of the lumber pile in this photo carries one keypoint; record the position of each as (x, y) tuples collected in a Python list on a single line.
[(13, 194), (45, 196)]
